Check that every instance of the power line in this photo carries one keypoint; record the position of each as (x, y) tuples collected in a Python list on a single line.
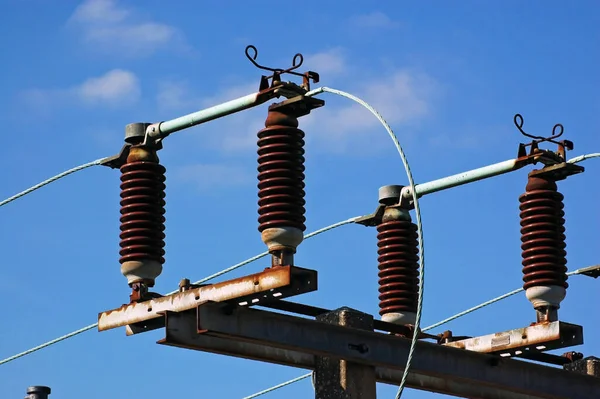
[(439, 323), (415, 199), (51, 180), (283, 384), (487, 303), (227, 270)]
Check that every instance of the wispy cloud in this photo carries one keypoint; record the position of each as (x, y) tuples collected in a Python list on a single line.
[(206, 177), (115, 88), (116, 29), (375, 19), (175, 97), (330, 62)]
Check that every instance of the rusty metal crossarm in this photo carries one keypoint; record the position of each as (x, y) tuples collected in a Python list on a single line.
[(435, 368), (273, 283), (536, 338)]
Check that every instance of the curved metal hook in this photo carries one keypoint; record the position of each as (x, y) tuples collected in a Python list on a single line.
[(557, 127), (557, 130), (518, 119), (296, 61)]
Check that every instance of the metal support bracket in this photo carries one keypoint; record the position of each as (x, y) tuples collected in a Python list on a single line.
[(536, 338), (589, 365), (342, 379), (294, 341), (273, 283)]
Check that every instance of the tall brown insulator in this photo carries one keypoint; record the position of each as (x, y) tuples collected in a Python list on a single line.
[(543, 243), (398, 249), (142, 216), (281, 185)]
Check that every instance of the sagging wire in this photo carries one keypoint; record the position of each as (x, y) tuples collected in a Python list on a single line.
[(227, 270), (431, 327), (51, 180), (417, 213)]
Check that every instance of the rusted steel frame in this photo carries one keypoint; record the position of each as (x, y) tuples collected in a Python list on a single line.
[(181, 333), (276, 282), (435, 368), (313, 311), (335, 378), (536, 338)]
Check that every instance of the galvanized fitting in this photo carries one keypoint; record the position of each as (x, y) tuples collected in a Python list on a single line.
[(281, 243), (390, 195), (135, 132)]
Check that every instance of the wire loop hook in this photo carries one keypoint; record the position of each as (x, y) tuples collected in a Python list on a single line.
[(557, 130), (297, 61)]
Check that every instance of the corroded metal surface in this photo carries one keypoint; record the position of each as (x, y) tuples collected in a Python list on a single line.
[(536, 338), (292, 341), (277, 282)]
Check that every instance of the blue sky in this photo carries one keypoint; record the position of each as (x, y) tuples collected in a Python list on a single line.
[(448, 79)]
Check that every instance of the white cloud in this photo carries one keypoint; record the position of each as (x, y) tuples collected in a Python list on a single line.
[(207, 177), (114, 28), (116, 87), (99, 11), (375, 19), (327, 62), (173, 95), (401, 97)]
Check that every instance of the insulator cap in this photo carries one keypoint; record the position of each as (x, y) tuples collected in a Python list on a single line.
[(390, 195), (38, 392), (135, 132)]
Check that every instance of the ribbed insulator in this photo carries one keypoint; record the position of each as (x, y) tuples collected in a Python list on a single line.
[(542, 234), (398, 250), (142, 212), (281, 173)]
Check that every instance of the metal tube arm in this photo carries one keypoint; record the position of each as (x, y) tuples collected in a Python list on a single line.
[(460, 179), (157, 131), (163, 129)]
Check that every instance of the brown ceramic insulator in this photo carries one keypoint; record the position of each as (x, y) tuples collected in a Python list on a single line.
[(142, 211), (543, 234), (398, 249), (281, 173)]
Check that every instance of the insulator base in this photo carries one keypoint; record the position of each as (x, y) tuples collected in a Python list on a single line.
[(398, 270), (546, 296), (405, 318)]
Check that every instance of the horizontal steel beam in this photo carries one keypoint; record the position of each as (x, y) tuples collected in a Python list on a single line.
[(253, 334), (181, 332), (275, 282), (536, 338)]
